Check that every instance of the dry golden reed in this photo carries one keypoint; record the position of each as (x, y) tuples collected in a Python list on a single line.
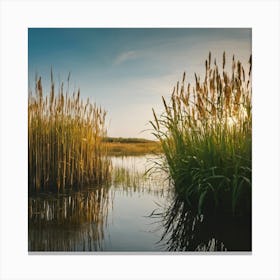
[(65, 148)]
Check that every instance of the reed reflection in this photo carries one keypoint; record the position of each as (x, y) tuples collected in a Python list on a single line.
[(84, 220), (73, 221), (185, 230)]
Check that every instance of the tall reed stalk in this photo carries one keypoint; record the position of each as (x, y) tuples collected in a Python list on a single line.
[(206, 133), (65, 147)]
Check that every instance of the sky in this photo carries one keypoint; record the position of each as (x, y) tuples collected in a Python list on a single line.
[(127, 70)]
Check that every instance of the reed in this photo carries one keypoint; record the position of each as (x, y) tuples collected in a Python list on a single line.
[(65, 148), (205, 133)]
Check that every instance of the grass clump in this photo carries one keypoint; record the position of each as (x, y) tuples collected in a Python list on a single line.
[(65, 147), (206, 134)]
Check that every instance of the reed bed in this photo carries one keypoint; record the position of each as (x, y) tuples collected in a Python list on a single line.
[(65, 147), (205, 133)]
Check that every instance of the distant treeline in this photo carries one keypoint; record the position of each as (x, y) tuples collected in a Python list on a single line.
[(126, 140)]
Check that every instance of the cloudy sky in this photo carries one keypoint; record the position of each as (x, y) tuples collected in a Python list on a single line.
[(127, 70)]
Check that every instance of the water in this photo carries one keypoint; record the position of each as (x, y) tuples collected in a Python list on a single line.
[(135, 213), (104, 218)]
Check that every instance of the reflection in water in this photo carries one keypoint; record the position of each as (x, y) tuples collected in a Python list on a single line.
[(186, 231), (130, 175), (136, 212), (102, 218), (57, 222)]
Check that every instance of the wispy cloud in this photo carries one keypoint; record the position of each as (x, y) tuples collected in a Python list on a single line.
[(122, 57)]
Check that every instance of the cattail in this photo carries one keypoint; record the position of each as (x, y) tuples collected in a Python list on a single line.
[(239, 70), (250, 65), (227, 96), (225, 78), (233, 67)]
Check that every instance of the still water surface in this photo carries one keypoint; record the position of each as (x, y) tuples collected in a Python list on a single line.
[(135, 213), (105, 218)]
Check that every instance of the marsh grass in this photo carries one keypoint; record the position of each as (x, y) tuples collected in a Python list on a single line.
[(133, 149), (205, 133), (65, 148)]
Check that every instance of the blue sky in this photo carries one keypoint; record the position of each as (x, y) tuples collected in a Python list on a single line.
[(127, 70)]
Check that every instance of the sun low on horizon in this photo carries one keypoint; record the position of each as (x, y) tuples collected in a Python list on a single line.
[(139, 139)]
